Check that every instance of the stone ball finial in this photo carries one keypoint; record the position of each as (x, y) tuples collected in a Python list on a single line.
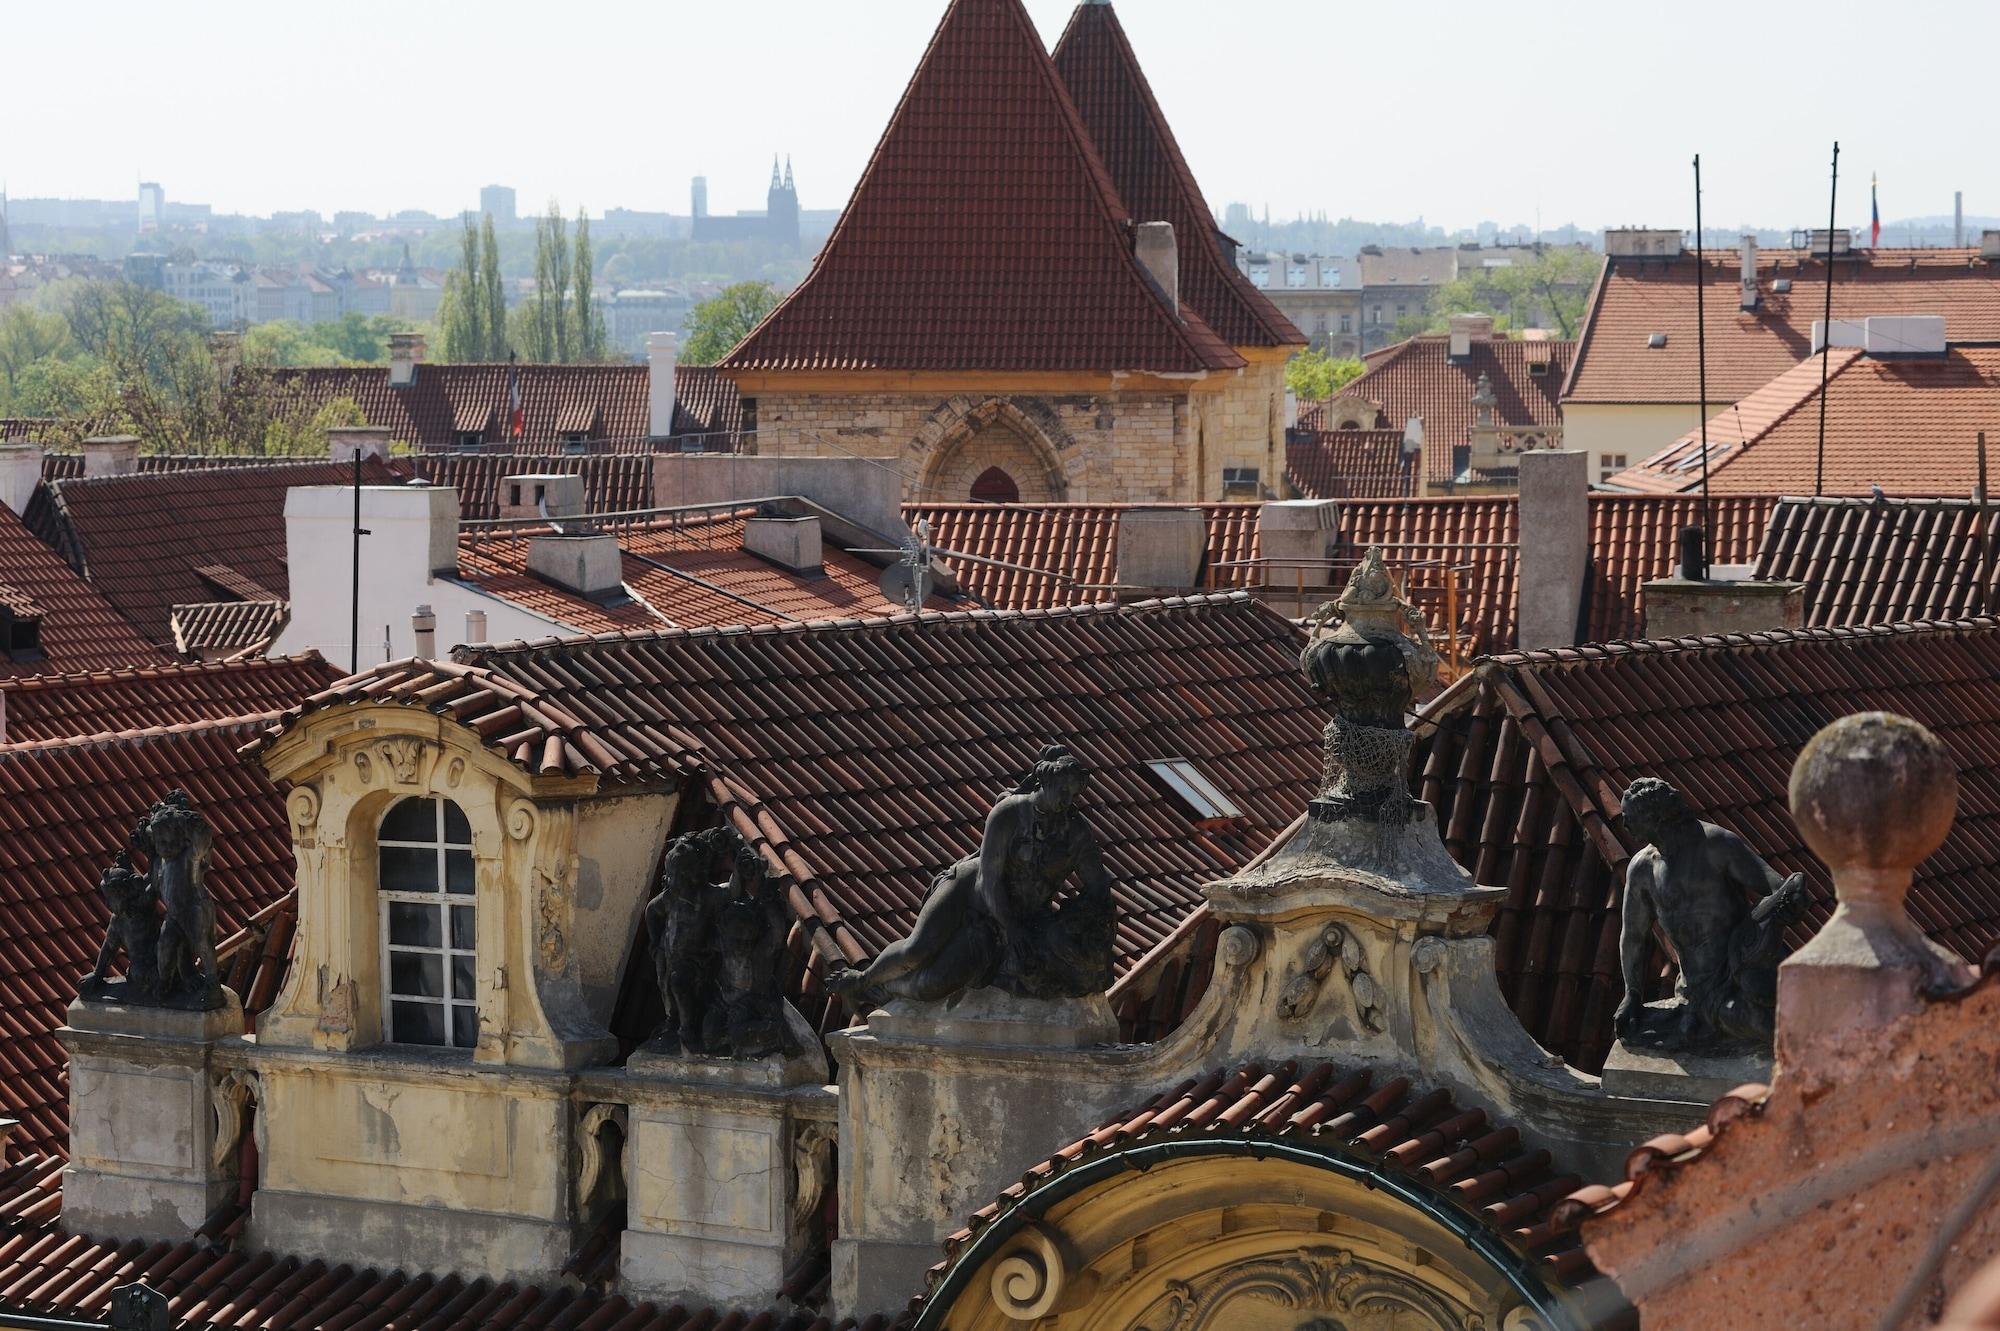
[(1873, 794)]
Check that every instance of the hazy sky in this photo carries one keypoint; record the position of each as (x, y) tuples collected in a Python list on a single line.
[(1459, 111)]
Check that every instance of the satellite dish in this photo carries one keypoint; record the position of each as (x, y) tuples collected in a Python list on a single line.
[(906, 584)]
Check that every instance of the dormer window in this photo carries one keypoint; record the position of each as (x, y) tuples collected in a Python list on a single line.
[(426, 886)]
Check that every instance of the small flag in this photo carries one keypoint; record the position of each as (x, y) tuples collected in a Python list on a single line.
[(1874, 216), (517, 420)]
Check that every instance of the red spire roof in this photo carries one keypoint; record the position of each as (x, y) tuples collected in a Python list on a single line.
[(985, 234), (1098, 65)]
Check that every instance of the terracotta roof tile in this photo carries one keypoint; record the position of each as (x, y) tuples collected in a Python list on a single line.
[(1525, 762), (142, 539), (1418, 377), (69, 466), (921, 722), (227, 627), (1636, 538), (612, 482), (1747, 349), (66, 807), (1909, 424), (46, 707), (1349, 464), (79, 629), (1883, 561), (1117, 107), (985, 234)]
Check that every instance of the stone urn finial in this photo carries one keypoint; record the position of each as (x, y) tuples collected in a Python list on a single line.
[(1873, 795)]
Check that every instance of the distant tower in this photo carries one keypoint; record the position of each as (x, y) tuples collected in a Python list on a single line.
[(782, 206), (701, 196), (498, 203), (152, 205)]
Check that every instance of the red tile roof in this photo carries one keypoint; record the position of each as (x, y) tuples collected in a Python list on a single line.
[(1636, 298), (1349, 464), (69, 466), (864, 756), (66, 807), (1657, 1159), (1473, 539), (985, 234), (1418, 377), (1478, 1165), (683, 573), (227, 627), (142, 539), (45, 707), (1869, 561), (612, 482), (1636, 538), (1116, 104), (80, 630), (1071, 548), (1526, 761), (609, 402), (209, 1282), (1908, 424)]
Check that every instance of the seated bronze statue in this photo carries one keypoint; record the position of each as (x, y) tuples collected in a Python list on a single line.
[(1006, 917), (1723, 912)]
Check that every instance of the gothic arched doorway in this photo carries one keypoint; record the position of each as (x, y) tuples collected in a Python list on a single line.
[(995, 486), (992, 454)]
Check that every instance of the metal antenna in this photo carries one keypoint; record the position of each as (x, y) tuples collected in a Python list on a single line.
[(1826, 342), (1701, 359)]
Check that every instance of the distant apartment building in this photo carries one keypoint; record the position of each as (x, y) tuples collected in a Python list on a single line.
[(152, 206), (632, 313), (1320, 293), (497, 202), (227, 292)]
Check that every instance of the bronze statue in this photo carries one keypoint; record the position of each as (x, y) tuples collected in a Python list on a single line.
[(134, 928), (1371, 668), (718, 950), (1004, 917), (165, 920), (1723, 912)]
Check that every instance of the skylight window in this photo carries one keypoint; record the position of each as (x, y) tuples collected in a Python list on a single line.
[(1202, 797), (1656, 340)]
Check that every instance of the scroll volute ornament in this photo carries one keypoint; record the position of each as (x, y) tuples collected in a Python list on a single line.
[(1028, 1278)]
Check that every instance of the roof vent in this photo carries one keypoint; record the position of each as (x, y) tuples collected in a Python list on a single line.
[(788, 542), (587, 563), (1782, 286), (542, 495), (1656, 340)]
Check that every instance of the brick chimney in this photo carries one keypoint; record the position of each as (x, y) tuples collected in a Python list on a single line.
[(111, 455), (1748, 301), (406, 352), (1153, 245), (20, 473), (662, 355)]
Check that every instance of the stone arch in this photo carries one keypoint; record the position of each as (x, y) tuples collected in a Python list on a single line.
[(964, 438), (995, 485), (1263, 1236)]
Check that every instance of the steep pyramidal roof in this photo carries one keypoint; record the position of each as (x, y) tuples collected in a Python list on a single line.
[(985, 234), (1102, 73)]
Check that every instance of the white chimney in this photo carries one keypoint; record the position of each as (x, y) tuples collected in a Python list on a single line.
[(542, 495), (1161, 547), (1904, 335), (424, 630), (1748, 300), (1989, 244), (587, 563), (406, 352), (20, 473), (1291, 408), (663, 352), (111, 455), (345, 442), (1153, 246), (1846, 333), (788, 542), (1465, 329), (226, 350), (412, 539), (1296, 538), (475, 626)]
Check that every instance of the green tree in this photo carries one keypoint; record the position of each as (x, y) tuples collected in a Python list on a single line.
[(586, 337), (1314, 376), (716, 326), (1550, 289), (493, 293), (461, 321), (548, 322), (27, 336)]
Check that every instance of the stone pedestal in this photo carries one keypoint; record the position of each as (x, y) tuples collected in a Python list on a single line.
[(943, 1107), (725, 1162), (142, 1122), (1676, 1077)]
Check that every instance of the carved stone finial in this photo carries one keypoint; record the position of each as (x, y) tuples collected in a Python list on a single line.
[(1371, 668), (1873, 794), (1723, 911)]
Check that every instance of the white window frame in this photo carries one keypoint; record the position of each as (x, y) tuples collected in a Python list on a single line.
[(443, 902)]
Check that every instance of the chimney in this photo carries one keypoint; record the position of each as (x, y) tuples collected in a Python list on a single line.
[(589, 564), (111, 455), (662, 354), (1958, 219), (542, 495), (1296, 538), (424, 630), (412, 540), (406, 352), (1466, 329), (345, 442), (1484, 454), (1748, 300), (788, 542), (475, 626), (1153, 245), (1161, 548), (1555, 544), (1989, 244), (20, 473), (226, 350)]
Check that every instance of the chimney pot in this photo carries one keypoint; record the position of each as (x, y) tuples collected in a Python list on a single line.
[(424, 629), (475, 626), (1748, 300), (406, 352), (662, 357), (111, 455), (1153, 245)]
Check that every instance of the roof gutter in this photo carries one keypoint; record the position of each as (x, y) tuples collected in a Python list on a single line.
[(1517, 1270)]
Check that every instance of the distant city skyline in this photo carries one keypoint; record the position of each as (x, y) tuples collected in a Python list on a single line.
[(1577, 112)]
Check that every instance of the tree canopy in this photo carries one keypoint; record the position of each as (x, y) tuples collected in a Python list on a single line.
[(1314, 376), (715, 326)]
